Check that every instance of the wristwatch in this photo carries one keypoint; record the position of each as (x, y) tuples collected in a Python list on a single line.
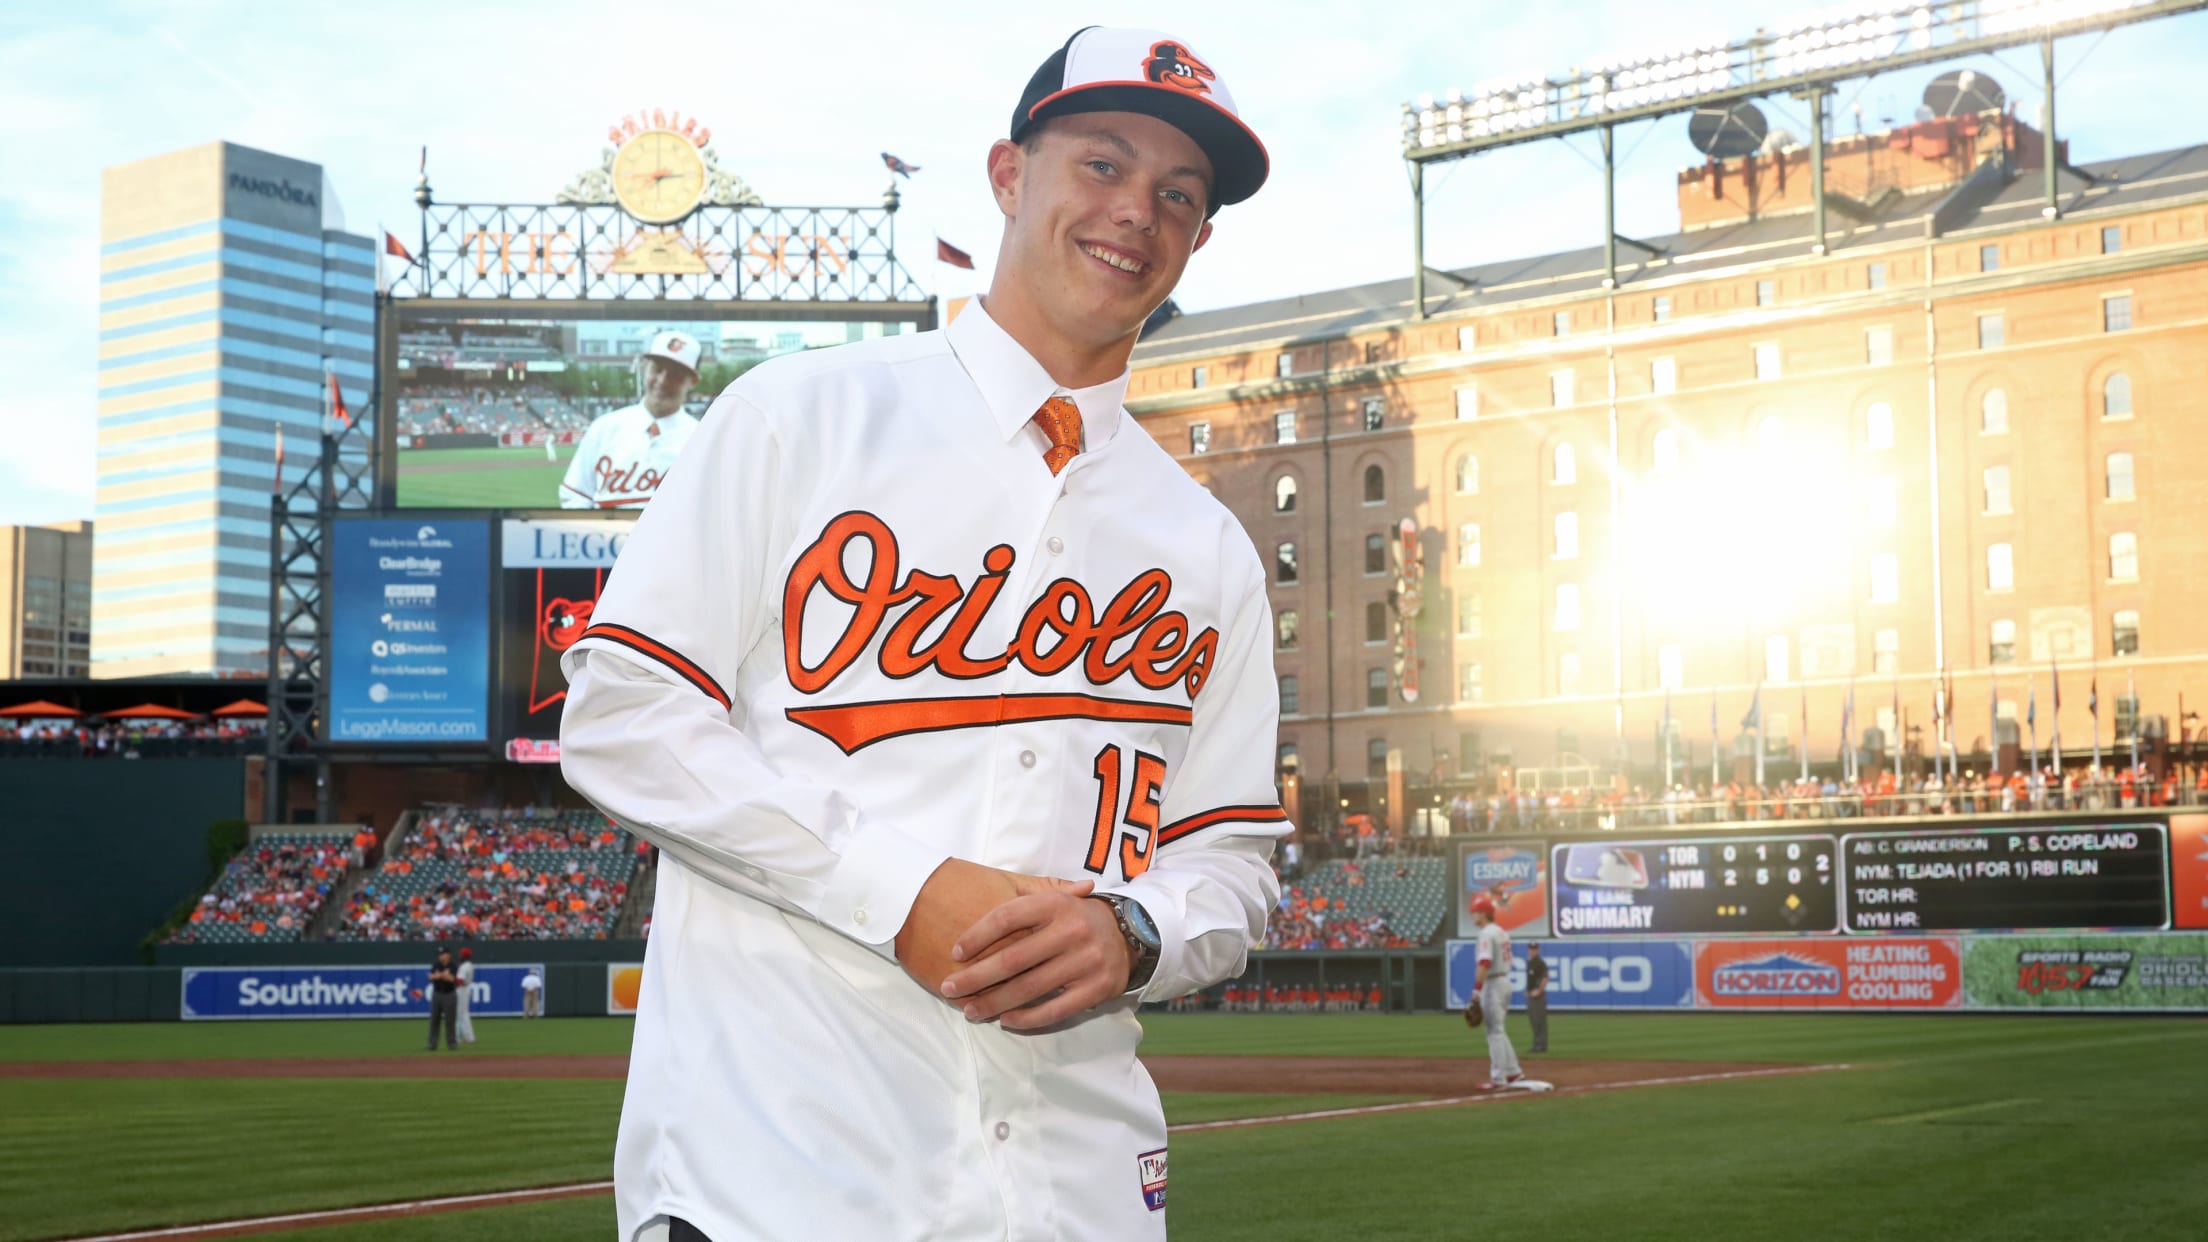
[(1143, 944)]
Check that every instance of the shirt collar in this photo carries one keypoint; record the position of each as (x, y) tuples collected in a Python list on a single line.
[(1014, 386)]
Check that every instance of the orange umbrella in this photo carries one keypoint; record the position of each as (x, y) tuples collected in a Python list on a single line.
[(40, 709), (150, 711), (243, 707)]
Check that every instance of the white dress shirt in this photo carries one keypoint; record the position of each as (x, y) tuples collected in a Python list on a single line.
[(862, 628)]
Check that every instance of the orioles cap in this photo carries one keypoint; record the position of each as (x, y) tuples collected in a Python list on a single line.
[(1102, 69), (680, 348)]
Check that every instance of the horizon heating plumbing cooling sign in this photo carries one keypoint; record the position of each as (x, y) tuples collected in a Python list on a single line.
[(218, 993)]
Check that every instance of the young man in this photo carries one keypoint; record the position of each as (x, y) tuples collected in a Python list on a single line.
[(948, 697), (464, 1023), (1491, 985), (625, 453), (444, 1005)]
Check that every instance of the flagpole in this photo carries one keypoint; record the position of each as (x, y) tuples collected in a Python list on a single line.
[(1993, 727), (2055, 671), (1894, 743), (2093, 713), (2131, 691), (1803, 743), (2031, 718), (1759, 735), (1713, 740), (1667, 738)]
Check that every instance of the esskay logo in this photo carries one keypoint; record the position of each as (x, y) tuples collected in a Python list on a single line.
[(1502, 870), (1776, 975)]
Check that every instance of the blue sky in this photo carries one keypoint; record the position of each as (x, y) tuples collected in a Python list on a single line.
[(513, 99)]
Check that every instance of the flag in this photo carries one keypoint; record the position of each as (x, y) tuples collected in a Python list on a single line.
[(395, 248), (1993, 726), (1801, 744), (945, 252), (276, 487), (2093, 699), (1714, 747), (2056, 759), (1667, 737), (899, 167), (2031, 721), (2131, 692), (1893, 744), (337, 401), (1754, 719)]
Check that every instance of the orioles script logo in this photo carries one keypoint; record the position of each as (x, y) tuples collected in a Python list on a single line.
[(1062, 628), (624, 485)]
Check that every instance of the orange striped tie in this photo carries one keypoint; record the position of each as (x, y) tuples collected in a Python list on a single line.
[(1060, 419)]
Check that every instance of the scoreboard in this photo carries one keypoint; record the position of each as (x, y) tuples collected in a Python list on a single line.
[(2084, 876), (1758, 885)]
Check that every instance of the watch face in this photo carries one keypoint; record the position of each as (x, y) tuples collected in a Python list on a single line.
[(1138, 921)]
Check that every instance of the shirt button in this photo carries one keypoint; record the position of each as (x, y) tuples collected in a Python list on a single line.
[(859, 917), (1057, 545), (1027, 758), (1004, 1130)]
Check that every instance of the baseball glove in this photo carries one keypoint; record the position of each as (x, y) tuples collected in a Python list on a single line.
[(1474, 1016)]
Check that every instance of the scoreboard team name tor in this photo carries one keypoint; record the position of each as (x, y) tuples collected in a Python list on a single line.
[(1745, 885)]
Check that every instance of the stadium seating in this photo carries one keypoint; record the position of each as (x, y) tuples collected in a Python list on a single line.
[(270, 892), (1374, 903), (511, 874)]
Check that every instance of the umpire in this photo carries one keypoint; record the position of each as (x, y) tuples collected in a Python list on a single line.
[(444, 1000), (1537, 996)]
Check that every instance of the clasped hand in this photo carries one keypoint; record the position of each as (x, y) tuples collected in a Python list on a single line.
[(1025, 951)]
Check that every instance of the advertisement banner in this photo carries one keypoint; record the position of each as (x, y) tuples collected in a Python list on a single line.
[(624, 983), (2189, 871), (2086, 972), (222, 993), (1512, 874), (552, 572), (409, 656), (1589, 974), (1806, 973)]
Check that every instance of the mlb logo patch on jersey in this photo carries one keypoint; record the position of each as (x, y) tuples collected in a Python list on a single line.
[(1151, 1166)]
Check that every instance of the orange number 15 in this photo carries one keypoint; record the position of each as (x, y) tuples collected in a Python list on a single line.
[(1141, 819)]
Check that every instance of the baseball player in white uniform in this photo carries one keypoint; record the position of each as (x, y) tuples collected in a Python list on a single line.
[(1491, 984), (624, 454), (948, 697), (464, 1022)]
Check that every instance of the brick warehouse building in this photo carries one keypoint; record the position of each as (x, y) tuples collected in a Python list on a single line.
[(1957, 440)]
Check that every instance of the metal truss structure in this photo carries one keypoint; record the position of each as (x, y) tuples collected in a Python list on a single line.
[(585, 252)]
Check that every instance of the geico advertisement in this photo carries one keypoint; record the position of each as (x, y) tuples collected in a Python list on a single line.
[(234, 992), (1589, 974), (1805, 973)]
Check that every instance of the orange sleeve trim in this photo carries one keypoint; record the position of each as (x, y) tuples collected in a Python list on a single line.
[(681, 665), (1223, 815)]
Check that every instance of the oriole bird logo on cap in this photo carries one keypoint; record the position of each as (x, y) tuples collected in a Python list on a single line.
[(1170, 64)]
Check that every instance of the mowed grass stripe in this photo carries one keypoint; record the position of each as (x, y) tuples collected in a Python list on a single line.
[(342, 1039), (100, 1156)]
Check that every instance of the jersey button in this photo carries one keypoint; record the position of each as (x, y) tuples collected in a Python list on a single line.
[(859, 917), (1004, 1130), (1027, 758), (1056, 545)]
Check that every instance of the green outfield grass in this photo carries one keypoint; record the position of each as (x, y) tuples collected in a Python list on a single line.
[(481, 478), (1948, 1127)]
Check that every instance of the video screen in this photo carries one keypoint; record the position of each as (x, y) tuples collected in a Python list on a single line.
[(519, 413)]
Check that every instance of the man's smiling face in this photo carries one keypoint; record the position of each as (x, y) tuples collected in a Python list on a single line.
[(1104, 209)]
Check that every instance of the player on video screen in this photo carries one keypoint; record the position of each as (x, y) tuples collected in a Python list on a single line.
[(624, 454)]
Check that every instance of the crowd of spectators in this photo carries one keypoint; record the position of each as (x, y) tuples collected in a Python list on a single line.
[(271, 891), (1333, 910), (135, 739), (519, 875), (1239, 997), (444, 410), (1874, 795)]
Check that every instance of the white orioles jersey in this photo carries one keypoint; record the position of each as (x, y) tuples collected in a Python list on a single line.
[(861, 629), (622, 458)]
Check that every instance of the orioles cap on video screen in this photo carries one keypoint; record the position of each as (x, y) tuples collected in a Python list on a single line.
[(1102, 69)]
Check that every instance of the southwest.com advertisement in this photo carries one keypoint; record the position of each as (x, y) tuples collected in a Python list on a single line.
[(409, 655)]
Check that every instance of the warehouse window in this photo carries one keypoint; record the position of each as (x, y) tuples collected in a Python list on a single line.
[(2116, 396), (1376, 759), (1886, 652), (1992, 333), (1468, 544), (1564, 466), (1671, 667), (1376, 485), (1878, 425), (1989, 258), (1284, 495), (1468, 683), (1767, 293), (1663, 376), (1284, 427), (1659, 308), (1199, 437), (1291, 629), (1993, 412), (2000, 567), (1567, 673), (1875, 275), (2116, 313), (1284, 365), (1560, 388), (1376, 687), (1376, 412), (1885, 578), (1567, 535), (1468, 475), (1878, 346), (2119, 476), (1284, 564), (2112, 239), (1376, 622), (1767, 361), (1560, 324), (1997, 489), (2001, 645), (1664, 451), (1291, 699), (1468, 404), (2123, 557), (2124, 633), (1468, 615), (1376, 555), (1567, 607)]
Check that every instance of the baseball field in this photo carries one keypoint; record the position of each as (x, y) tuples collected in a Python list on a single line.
[(481, 478), (1683, 1126)]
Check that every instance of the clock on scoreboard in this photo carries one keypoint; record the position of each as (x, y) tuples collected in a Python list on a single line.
[(1750, 885)]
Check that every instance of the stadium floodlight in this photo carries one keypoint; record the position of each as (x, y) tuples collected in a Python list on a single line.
[(1807, 57), (1852, 41)]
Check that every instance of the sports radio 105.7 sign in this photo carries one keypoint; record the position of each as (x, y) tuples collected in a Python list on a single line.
[(2087, 972)]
